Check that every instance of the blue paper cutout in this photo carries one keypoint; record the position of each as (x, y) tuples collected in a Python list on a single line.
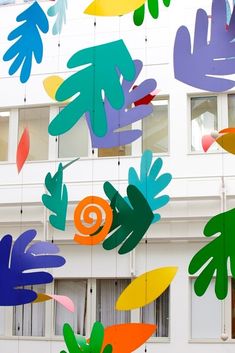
[(58, 9), (199, 66), (29, 41), (150, 183), (127, 115), (15, 262)]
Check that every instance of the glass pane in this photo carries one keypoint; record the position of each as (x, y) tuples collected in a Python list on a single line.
[(157, 313), (36, 120), (204, 120), (155, 128), (74, 143), (77, 291), (4, 128), (233, 308), (124, 150), (206, 314), (231, 110), (107, 293), (29, 319)]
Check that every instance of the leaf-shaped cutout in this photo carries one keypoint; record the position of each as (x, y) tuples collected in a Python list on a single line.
[(227, 142), (65, 301), (22, 149), (112, 7), (58, 9), (146, 288), (153, 6), (51, 85), (126, 338), (150, 183)]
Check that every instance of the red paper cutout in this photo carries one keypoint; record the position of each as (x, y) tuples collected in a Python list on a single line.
[(22, 149), (207, 141), (145, 100)]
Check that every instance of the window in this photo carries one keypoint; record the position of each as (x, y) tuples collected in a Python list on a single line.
[(107, 293), (231, 110), (157, 313), (4, 128), (206, 314), (36, 120), (77, 291), (74, 143), (155, 128), (29, 319), (204, 120)]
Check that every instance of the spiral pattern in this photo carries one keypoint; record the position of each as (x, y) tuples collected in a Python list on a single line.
[(95, 233)]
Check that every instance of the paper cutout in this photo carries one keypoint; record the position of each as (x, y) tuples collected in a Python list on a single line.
[(146, 288), (95, 233), (57, 200), (58, 9), (112, 7), (145, 100), (117, 119), (22, 149), (207, 141), (15, 262), (227, 129), (61, 299), (51, 85), (153, 6), (126, 338), (29, 42), (150, 183), (201, 66), (227, 142), (130, 221), (100, 76), (216, 255), (79, 344)]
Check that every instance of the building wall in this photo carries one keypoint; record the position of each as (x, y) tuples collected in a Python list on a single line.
[(202, 186)]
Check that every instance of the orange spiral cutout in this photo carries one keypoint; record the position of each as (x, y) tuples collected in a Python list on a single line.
[(92, 204)]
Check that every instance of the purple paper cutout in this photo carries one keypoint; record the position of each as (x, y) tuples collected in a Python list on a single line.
[(216, 58), (15, 261), (119, 118)]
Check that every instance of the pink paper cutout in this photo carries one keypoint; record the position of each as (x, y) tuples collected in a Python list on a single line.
[(63, 300), (22, 149), (207, 141)]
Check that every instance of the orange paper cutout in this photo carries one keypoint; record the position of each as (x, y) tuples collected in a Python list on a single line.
[(126, 338), (227, 142), (22, 149), (227, 129), (95, 233)]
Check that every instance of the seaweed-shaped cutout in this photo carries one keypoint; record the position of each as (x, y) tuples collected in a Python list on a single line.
[(153, 6), (131, 220), (29, 42), (15, 262), (59, 10), (150, 183), (213, 258), (57, 201), (79, 344)]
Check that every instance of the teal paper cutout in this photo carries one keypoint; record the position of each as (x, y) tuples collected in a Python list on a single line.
[(59, 10), (131, 220), (102, 75), (57, 201), (79, 344), (150, 183), (216, 255)]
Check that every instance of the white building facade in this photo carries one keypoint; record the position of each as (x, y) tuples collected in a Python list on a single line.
[(203, 185)]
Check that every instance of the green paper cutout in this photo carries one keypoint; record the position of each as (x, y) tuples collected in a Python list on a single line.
[(105, 64), (57, 201), (130, 222), (153, 7), (216, 255), (78, 343)]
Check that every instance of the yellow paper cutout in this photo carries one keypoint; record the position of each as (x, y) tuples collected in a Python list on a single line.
[(227, 142), (41, 298), (112, 7), (51, 85), (146, 288)]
